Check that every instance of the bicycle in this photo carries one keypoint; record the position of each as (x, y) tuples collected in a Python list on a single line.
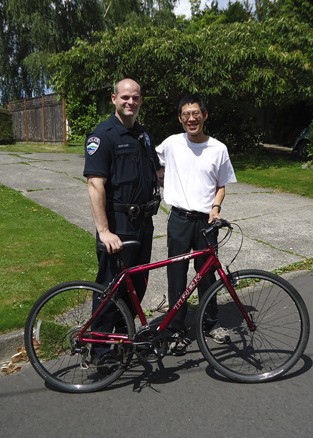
[(266, 317)]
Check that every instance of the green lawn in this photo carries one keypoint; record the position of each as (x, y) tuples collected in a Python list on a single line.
[(31, 148), (40, 249), (277, 171)]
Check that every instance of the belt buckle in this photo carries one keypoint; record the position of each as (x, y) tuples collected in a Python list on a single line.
[(133, 211)]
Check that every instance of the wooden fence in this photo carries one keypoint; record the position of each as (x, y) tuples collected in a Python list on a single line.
[(40, 119)]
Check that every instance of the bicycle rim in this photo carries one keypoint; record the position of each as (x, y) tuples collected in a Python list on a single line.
[(50, 333), (282, 327)]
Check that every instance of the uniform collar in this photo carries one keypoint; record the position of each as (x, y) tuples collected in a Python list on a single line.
[(122, 129)]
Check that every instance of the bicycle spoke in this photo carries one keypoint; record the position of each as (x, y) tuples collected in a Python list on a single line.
[(282, 327), (53, 346)]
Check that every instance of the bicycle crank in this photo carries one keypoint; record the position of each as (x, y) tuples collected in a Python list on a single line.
[(149, 346)]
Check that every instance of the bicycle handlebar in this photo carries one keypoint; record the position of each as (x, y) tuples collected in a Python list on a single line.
[(216, 225), (133, 244)]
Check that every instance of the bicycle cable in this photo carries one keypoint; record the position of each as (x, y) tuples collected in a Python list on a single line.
[(228, 234)]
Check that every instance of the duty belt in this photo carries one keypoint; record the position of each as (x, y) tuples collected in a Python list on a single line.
[(134, 210), (131, 209)]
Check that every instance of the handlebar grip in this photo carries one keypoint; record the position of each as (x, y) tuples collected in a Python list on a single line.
[(217, 224), (132, 244)]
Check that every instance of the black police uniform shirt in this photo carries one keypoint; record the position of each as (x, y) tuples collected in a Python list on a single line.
[(127, 159)]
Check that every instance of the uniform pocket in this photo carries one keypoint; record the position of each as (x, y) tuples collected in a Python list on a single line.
[(126, 164)]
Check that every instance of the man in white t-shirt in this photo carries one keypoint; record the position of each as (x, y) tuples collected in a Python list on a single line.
[(197, 168)]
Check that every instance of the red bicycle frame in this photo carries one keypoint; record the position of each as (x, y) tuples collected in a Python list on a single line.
[(212, 263)]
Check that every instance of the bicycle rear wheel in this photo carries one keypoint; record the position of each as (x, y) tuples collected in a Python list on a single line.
[(282, 327), (51, 338)]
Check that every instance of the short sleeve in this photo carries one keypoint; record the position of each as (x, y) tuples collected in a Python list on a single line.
[(98, 155), (160, 151)]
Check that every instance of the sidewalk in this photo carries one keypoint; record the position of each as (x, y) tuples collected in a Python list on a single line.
[(277, 227)]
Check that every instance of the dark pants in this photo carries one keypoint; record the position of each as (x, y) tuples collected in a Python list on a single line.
[(183, 235), (108, 268)]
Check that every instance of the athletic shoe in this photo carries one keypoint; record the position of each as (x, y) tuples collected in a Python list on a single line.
[(220, 335), (179, 344)]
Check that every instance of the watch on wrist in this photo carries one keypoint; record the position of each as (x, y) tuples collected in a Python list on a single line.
[(218, 207)]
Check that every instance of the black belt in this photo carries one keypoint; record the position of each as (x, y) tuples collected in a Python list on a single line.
[(190, 214), (133, 209)]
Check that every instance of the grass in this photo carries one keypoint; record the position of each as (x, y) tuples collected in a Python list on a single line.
[(40, 249), (31, 148), (277, 171)]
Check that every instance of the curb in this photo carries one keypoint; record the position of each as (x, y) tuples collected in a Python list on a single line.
[(9, 344)]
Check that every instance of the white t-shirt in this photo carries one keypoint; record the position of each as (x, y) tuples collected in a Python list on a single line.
[(193, 171)]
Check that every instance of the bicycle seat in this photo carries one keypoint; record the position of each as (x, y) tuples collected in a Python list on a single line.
[(132, 245)]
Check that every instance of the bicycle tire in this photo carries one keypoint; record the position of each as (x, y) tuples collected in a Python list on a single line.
[(50, 330), (282, 327)]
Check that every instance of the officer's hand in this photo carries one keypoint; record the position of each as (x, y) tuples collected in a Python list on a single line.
[(112, 242)]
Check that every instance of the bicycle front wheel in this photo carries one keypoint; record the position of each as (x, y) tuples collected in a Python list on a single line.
[(282, 327), (52, 344)]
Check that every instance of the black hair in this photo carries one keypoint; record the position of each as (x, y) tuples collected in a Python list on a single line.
[(190, 99)]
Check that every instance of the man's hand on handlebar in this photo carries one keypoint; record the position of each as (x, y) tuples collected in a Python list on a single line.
[(112, 242), (213, 216)]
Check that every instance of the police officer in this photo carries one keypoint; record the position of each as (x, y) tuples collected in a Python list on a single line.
[(121, 167)]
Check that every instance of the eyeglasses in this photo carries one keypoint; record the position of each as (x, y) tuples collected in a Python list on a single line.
[(195, 114)]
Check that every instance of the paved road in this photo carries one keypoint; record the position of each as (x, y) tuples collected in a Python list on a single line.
[(182, 397)]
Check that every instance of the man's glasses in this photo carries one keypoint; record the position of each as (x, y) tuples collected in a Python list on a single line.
[(186, 116)]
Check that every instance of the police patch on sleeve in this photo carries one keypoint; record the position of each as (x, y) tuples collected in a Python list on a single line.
[(92, 145), (147, 139)]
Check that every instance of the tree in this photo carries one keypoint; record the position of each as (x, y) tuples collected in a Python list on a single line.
[(134, 12), (31, 31), (302, 9), (237, 12), (239, 65)]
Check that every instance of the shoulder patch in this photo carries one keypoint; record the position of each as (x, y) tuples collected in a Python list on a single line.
[(147, 139), (92, 145)]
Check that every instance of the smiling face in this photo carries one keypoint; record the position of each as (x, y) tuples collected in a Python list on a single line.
[(127, 100), (192, 120)]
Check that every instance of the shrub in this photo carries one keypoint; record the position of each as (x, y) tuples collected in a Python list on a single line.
[(6, 129)]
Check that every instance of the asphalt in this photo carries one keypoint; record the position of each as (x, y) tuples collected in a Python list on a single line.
[(277, 227)]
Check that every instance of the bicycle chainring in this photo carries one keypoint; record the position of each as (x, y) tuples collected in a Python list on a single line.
[(149, 345)]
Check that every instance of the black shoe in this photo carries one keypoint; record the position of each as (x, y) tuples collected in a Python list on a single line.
[(106, 363), (179, 343)]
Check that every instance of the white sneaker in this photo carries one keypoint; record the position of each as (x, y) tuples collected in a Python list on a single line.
[(178, 346), (220, 335)]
